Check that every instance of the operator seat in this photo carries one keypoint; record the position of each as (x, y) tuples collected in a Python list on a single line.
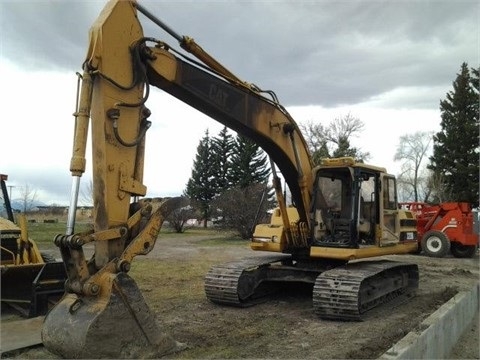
[(364, 216)]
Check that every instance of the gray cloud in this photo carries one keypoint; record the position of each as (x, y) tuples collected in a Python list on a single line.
[(51, 184), (310, 52)]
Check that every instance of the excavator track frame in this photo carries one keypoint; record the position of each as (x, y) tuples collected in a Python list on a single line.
[(349, 292), (242, 283)]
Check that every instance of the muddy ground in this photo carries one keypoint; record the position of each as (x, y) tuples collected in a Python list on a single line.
[(171, 279)]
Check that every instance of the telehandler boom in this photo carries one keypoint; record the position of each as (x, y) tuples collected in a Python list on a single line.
[(103, 313)]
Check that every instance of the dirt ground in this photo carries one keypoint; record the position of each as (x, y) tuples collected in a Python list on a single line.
[(285, 327)]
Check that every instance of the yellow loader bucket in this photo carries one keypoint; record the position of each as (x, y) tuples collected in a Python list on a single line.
[(32, 289), (117, 321)]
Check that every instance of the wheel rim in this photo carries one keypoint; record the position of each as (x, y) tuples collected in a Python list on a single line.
[(433, 244)]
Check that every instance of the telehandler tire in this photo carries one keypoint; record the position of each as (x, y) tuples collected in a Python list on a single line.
[(435, 244), (463, 251)]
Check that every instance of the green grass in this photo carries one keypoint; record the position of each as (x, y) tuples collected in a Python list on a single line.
[(221, 236), (190, 231), (224, 240), (43, 233)]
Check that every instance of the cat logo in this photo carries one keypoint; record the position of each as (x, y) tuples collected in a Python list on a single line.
[(218, 96)]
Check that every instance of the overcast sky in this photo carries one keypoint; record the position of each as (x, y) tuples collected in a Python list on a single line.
[(389, 63)]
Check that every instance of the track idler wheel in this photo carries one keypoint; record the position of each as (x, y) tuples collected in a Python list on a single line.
[(117, 323)]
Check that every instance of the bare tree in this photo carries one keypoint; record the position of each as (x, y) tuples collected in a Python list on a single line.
[(347, 126), (242, 208), (437, 187), (316, 137), (412, 153), (334, 139), (179, 218), (27, 198)]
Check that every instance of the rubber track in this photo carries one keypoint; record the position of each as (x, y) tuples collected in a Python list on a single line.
[(222, 281), (336, 294)]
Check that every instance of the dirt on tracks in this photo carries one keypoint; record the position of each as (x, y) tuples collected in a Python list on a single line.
[(285, 327)]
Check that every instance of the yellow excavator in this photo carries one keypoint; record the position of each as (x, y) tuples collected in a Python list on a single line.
[(343, 212)]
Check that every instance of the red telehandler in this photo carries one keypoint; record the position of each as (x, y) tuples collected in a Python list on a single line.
[(445, 227)]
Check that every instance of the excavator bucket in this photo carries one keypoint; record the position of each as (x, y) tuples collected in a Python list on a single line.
[(118, 322)]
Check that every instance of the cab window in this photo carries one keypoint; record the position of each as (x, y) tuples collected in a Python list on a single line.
[(389, 194)]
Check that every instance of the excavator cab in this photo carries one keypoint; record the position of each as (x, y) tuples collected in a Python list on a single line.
[(355, 205), (354, 214)]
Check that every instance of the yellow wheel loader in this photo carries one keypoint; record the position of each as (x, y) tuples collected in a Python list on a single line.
[(345, 214), (32, 281)]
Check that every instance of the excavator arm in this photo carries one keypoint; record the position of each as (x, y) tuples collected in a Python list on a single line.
[(120, 68)]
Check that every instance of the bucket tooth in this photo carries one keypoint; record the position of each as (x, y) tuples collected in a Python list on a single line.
[(115, 324)]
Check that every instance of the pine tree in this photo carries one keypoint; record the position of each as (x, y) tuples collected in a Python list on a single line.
[(344, 148), (201, 187), (229, 171), (456, 145), (221, 152), (249, 164)]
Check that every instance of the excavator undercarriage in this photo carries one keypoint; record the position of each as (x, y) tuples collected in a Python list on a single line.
[(341, 291)]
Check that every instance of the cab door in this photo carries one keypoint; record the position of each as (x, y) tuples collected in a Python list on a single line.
[(389, 209)]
